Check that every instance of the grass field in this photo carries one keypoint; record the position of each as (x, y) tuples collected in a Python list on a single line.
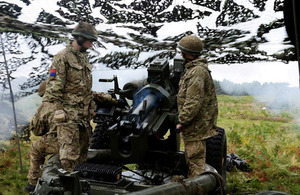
[(268, 140)]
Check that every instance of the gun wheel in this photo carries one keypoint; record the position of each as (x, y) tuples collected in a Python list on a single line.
[(100, 137), (216, 152)]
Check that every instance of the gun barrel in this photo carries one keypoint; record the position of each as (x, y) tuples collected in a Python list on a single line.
[(202, 184), (151, 101), (106, 80)]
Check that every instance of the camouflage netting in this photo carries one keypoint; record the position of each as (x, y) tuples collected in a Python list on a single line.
[(34, 44), (9, 9), (144, 18), (233, 13)]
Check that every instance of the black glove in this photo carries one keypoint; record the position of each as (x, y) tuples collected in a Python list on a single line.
[(121, 103)]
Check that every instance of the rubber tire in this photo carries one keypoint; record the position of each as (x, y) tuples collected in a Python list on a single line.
[(216, 152), (100, 137)]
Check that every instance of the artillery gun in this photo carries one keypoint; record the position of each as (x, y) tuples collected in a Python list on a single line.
[(142, 135)]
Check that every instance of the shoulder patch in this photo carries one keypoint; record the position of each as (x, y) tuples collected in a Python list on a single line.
[(53, 72)]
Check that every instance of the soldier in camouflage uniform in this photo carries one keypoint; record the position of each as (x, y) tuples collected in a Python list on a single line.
[(197, 104), (67, 106)]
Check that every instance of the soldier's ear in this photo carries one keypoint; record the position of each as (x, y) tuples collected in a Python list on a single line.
[(80, 40)]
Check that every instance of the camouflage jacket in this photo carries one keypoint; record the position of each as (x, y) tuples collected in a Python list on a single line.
[(69, 85), (197, 102)]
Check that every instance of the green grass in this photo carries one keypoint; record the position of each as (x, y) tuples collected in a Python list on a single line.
[(11, 178), (268, 140)]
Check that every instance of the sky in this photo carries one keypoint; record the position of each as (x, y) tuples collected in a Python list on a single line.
[(263, 72)]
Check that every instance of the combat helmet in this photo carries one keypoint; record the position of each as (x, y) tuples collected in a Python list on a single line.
[(190, 44), (86, 30)]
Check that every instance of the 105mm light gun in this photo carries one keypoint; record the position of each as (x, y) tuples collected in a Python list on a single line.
[(141, 134)]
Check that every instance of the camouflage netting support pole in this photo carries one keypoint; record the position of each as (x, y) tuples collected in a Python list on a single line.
[(13, 103), (297, 38)]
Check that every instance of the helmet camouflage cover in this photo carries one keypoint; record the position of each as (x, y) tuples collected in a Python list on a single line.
[(85, 30), (190, 44)]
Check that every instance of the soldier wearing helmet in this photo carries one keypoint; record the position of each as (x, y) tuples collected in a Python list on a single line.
[(197, 104), (67, 106), (84, 34)]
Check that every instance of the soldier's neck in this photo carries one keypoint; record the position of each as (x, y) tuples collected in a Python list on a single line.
[(76, 46)]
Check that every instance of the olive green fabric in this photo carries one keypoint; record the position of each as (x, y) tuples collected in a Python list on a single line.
[(197, 102)]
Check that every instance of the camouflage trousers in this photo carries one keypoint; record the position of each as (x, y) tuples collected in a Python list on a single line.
[(46, 145), (74, 140), (71, 143), (196, 156)]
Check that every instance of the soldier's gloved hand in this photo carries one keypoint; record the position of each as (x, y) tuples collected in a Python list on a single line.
[(102, 97), (121, 103), (60, 116)]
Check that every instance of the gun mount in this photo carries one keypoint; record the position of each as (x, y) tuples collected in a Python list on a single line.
[(142, 134)]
